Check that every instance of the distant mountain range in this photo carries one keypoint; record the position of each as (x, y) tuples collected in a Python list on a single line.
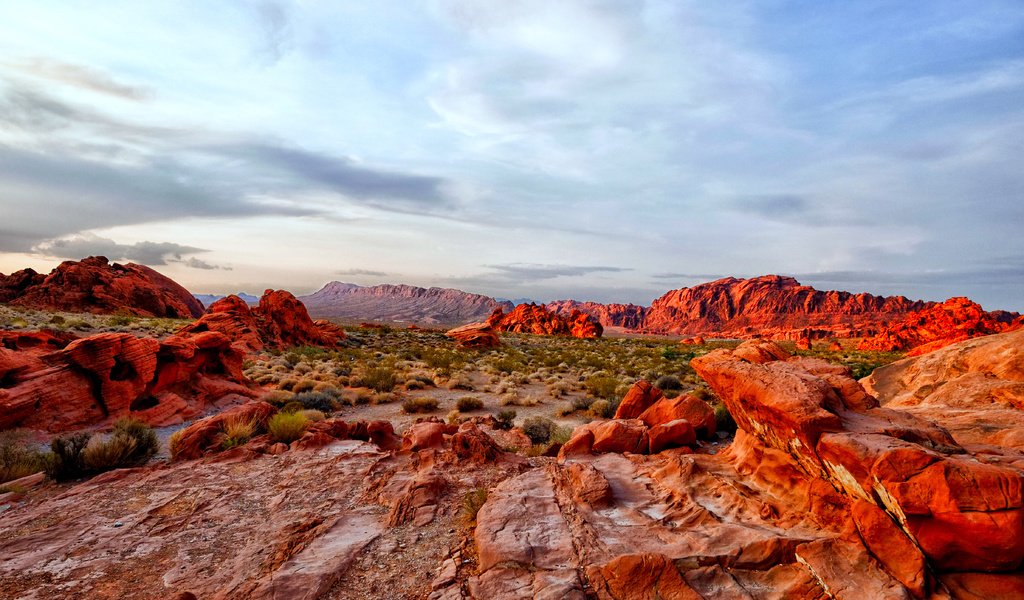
[(400, 303), (208, 299)]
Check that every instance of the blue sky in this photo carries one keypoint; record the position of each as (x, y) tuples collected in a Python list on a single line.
[(598, 150)]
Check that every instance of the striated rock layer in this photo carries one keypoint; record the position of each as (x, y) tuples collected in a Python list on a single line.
[(94, 285), (531, 318), (772, 306), (628, 316), (937, 326), (400, 303)]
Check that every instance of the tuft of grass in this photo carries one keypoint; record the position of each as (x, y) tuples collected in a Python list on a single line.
[(505, 419), (380, 379), (469, 404), (538, 429), (472, 502), (602, 386), (287, 427), (146, 443), (602, 409), (174, 443), (17, 458), (420, 405), (237, 431), (106, 454)]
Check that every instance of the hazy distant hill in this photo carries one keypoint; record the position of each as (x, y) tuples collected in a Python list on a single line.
[(208, 299), (400, 303)]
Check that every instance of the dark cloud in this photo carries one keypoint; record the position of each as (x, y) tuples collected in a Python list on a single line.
[(362, 272), (196, 263), (147, 253), (79, 76)]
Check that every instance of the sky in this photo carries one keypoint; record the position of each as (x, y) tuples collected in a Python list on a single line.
[(596, 150)]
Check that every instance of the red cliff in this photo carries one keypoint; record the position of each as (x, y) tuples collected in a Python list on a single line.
[(531, 318), (97, 286), (937, 326), (629, 316)]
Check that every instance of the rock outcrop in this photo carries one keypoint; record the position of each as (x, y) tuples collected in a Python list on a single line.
[(103, 377), (95, 285), (937, 326), (627, 316), (774, 307), (400, 303), (475, 335), (279, 320), (535, 319)]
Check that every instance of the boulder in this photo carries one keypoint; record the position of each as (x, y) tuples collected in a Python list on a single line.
[(673, 434), (627, 435), (204, 435), (475, 335), (686, 406), (640, 397), (531, 318), (421, 436)]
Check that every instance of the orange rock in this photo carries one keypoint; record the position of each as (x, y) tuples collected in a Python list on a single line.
[(628, 316), (640, 577), (471, 444), (671, 435), (475, 335), (694, 410), (36, 341), (621, 436), (937, 326), (94, 285), (641, 396), (531, 318), (835, 346), (205, 435), (891, 546), (421, 436)]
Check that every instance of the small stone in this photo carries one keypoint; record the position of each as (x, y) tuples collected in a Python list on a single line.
[(118, 524)]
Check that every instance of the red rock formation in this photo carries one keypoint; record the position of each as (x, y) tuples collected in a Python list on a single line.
[(639, 398), (531, 318), (627, 316), (38, 341), (937, 326), (475, 335), (771, 306), (690, 408), (400, 303), (964, 511), (104, 377), (279, 320), (94, 285)]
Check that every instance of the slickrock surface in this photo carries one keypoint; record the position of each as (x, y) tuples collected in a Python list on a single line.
[(535, 319), (629, 316), (774, 307), (400, 303), (935, 327), (94, 285), (974, 389)]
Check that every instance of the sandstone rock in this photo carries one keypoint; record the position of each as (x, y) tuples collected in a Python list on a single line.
[(835, 346), (671, 435), (621, 436), (695, 411), (94, 285), (205, 435), (772, 306), (640, 397), (937, 326), (640, 577), (279, 320), (36, 341), (421, 436), (531, 318), (627, 316), (475, 335), (475, 446)]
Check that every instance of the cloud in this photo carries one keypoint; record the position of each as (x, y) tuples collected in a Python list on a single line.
[(196, 263), (692, 276), (533, 272), (275, 26), (774, 206), (79, 76), (147, 253), (367, 272)]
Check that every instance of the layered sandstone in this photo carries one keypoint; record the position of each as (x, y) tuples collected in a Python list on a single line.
[(97, 286), (400, 303), (628, 316), (535, 319), (475, 335), (774, 307), (937, 326)]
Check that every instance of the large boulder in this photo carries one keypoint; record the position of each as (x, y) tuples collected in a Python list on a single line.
[(691, 408), (640, 397), (475, 335), (97, 286)]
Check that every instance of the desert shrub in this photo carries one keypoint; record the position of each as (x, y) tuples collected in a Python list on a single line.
[(383, 398), (420, 405), (57, 320), (146, 443), (381, 379), (565, 409), (582, 403), (293, 407), (314, 415), (670, 353), (469, 403), (704, 394), (174, 443), (106, 454), (538, 429), (602, 386), (304, 385), (454, 417), (505, 419), (17, 458), (302, 368), (561, 434), (120, 320), (278, 398), (668, 382), (602, 409), (460, 382), (287, 427), (472, 502), (723, 420), (67, 462), (237, 431), (287, 384), (321, 401)]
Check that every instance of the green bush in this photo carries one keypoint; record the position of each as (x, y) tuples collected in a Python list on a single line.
[(602, 386), (538, 429), (17, 458), (582, 403), (602, 409), (668, 382), (505, 419), (105, 454), (287, 427), (469, 403), (293, 407), (420, 405), (321, 401), (146, 443), (380, 379), (68, 462), (561, 434)]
